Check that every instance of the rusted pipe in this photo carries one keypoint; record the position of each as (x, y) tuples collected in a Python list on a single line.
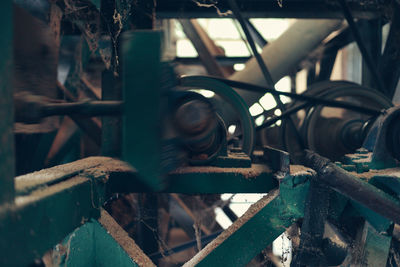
[(352, 187)]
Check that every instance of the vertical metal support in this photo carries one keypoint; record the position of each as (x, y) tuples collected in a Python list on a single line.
[(111, 133), (372, 35), (373, 247), (389, 65), (311, 75), (6, 104), (258, 38), (141, 51), (327, 63), (367, 58), (312, 230)]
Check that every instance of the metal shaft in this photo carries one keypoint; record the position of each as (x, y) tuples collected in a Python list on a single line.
[(352, 187)]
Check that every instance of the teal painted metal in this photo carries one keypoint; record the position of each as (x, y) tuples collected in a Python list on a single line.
[(91, 245), (375, 248), (97, 3), (214, 180), (233, 98), (194, 180), (371, 249), (37, 221), (266, 220), (141, 93), (57, 200), (232, 160), (362, 161), (380, 223), (6, 104), (386, 180), (78, 248)]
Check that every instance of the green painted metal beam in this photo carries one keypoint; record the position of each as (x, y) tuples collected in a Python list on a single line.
[(214, 180), (192, 180), (101, 243), (141, 91), (37, 221), (121, 178), (6, 104), (25, 184), (259, 226), (57, 200)]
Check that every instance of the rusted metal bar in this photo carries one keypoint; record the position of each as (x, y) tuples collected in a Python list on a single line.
[(352, 187), (83, 108)]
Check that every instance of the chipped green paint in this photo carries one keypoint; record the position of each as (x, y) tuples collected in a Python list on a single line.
[(262, 228), (37, 221), (91, 245)]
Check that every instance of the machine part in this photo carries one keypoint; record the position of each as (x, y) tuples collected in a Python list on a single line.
[(326, 130), (193, 117), (311, 100), (194, 126), (352, 187), (353, 133), (278, 160), (263, 67), (32, 108), (230, 96), (206, 150), (383, 140), (281, 56), (371, 248), (315, 249)]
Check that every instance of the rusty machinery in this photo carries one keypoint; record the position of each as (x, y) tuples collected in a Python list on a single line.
[(170, 139)]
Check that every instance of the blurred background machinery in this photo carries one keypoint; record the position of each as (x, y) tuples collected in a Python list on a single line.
[(199, 133)]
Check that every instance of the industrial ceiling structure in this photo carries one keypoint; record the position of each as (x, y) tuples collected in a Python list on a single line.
[(118, 151)]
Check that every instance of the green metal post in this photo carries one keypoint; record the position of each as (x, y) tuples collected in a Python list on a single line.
[(372, 248), (6, 104), (99, 243), (141, 52)]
